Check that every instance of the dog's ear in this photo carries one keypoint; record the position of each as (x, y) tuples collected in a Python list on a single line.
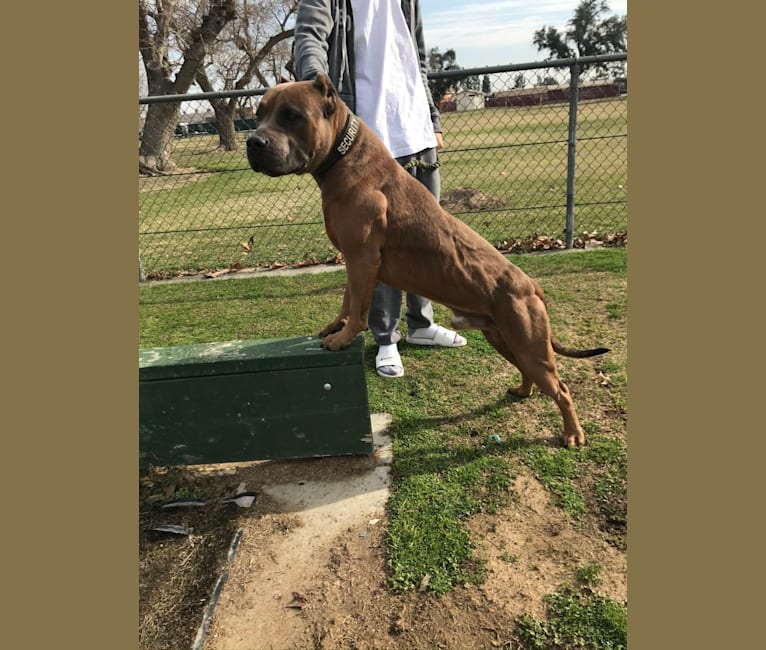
[(329, 95)]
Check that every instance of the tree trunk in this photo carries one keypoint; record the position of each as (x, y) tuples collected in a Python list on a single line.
[(224, 122), (154, 154), (224, 114), (157, 140)]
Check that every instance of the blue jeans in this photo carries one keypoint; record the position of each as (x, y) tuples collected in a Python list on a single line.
[(386, 306)]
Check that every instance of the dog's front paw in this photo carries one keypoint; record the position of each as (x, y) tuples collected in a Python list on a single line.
[(335, 326), (336, 341)]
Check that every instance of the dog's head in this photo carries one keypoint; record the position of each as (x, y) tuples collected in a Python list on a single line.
[(296, 125)]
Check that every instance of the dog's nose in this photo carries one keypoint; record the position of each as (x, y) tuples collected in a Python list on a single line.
[(257, 142)]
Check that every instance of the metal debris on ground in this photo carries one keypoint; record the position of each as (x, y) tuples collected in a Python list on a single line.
[(184, 503), (243, 499), (173, 528)]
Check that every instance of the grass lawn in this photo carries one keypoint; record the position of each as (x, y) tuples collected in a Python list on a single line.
[(458, 439)]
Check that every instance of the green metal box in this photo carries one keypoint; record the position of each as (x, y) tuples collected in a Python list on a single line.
[(251, 400)]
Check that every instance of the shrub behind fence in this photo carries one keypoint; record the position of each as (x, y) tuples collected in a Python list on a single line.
[(525, 165)]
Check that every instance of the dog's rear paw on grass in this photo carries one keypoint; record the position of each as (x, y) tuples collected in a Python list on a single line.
[(573, 440), (520, 392)]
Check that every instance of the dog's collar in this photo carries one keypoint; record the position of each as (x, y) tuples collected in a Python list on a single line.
[(343, 143)]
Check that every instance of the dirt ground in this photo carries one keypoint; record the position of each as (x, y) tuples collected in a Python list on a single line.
[(309, 566)]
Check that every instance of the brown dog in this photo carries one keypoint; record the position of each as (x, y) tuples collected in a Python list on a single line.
[(390, 227)]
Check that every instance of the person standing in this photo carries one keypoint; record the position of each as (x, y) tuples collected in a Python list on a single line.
[(374, 53)]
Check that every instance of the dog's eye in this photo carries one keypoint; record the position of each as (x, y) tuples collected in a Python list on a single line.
[(290, 116)]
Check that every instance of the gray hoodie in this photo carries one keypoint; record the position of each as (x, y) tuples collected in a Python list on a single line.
[(324, 42)]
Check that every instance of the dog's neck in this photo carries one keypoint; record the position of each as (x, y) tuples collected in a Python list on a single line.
[(343, 143)]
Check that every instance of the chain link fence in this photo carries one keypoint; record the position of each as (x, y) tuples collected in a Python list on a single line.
[(528, 163)]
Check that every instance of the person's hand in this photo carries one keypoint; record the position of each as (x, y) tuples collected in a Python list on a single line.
[(439, 141)]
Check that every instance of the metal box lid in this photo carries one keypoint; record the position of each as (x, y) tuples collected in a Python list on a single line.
[(236, 357)]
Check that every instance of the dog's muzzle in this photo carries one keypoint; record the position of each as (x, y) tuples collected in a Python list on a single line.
[(257, 142), (257, 151), (266, 157)]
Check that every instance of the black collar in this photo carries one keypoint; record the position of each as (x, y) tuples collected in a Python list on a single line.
[(342, 145)]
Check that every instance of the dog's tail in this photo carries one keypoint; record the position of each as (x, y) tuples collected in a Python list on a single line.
[(557, 347), (576, 354)]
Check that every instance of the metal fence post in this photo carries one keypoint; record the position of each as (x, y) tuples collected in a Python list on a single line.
[(574, 91)]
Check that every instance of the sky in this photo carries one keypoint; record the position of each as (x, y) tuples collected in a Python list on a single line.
[(496, 32)]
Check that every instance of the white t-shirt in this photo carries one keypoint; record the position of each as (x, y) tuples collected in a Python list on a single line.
[(390, 96)]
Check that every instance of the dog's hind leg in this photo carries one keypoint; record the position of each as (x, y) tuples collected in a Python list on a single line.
[(526, 342), (538, 365), (525, 388), (552, 386)]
